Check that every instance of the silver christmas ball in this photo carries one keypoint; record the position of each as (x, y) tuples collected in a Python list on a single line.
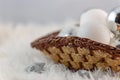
[(114, 19)]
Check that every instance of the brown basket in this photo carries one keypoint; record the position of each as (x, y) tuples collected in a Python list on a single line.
[(79, 53)]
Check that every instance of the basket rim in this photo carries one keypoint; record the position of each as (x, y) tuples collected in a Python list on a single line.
[(52, 40)]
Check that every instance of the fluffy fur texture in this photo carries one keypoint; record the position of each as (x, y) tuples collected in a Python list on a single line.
[(16, 55)]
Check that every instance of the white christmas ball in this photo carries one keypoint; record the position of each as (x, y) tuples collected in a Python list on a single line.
[(96, 16), (99, 33), (93, 26)]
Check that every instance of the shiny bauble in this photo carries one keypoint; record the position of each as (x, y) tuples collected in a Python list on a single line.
[(114, 20)]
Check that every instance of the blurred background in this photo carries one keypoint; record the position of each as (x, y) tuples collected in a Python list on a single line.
[(49, 11)]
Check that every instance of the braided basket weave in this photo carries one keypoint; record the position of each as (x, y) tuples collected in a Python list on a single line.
[(79, 53)]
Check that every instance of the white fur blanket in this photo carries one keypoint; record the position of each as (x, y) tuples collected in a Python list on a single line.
[(17, 57)]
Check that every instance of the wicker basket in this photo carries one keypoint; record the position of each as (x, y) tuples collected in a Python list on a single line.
[(79, 53)]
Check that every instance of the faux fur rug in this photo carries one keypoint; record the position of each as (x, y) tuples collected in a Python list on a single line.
[(18, 61)]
